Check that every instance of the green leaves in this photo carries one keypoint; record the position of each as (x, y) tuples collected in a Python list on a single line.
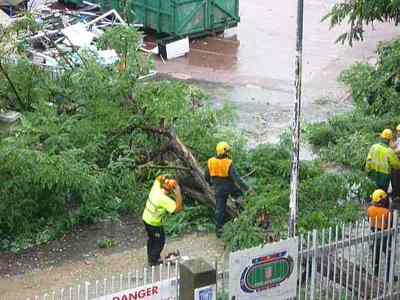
[(73, 158), (359, 13), (346, 139), (126, 42), (325, 198), (194, 218)]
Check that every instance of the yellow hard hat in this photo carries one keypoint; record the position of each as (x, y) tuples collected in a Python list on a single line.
[(222, 148), (398, 128), (387, 134), (378, 196)]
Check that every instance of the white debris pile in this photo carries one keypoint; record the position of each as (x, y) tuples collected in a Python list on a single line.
[(67, 31)]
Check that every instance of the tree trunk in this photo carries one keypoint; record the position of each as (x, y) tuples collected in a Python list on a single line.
[(202, 191), (187, 158)]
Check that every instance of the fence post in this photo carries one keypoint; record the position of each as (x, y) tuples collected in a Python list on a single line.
[(313, 264), (393, 249), (216, 272), (87, 284), (195, 274)]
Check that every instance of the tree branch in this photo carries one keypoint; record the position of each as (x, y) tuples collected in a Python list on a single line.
[(192, 166), (150, 166), (12, 85)]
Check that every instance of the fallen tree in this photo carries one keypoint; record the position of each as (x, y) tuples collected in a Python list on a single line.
[(196, 187), (76, 156), (87, 146)]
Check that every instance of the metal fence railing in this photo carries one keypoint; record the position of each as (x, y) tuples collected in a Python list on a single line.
[(345, 262), (349, 262), (134, 285)]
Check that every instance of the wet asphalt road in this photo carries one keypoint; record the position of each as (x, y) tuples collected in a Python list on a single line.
[(252, 67)]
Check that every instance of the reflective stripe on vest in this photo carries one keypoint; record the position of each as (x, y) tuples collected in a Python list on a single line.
[(156, 215), (378, 159), (219, 167)]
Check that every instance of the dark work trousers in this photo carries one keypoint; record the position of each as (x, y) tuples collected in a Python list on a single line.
[(381, 180), (377, 248), (221, 197), (155, 243), (395, 178)]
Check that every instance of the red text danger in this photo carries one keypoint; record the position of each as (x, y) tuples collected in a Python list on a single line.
[(137, 295)]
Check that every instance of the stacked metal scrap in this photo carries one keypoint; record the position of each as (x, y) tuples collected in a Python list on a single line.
[(66, 30)]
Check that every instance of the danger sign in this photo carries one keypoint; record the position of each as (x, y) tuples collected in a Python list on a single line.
[(157, 291)]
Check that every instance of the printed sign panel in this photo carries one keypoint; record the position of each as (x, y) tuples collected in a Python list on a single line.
[(206, 293), (162, 290), (268, 272)]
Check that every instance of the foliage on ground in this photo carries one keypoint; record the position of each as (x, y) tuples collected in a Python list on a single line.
[(326, 199), (71, 159), (106, 243), (346, 139), (78, 154)]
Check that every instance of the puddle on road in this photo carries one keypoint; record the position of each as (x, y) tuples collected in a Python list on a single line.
[(214, 53)]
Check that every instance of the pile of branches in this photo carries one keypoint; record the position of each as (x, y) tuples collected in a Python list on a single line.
[(92, 139)]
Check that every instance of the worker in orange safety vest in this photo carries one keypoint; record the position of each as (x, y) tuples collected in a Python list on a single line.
[(225, 180), (380, 218)]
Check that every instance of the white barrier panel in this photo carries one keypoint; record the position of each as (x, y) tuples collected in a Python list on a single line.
[(268, 272), (162, 290)]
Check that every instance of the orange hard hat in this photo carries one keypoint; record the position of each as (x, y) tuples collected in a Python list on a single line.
[(170, 184)]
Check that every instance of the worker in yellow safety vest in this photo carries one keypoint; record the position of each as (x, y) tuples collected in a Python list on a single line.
[(381, 160), (225, 180), (380, 218), (159, 204)]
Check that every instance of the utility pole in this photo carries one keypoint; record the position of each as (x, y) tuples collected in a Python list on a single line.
[(294, 182)]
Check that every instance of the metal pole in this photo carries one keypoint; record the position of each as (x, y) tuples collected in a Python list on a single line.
[(294, 183)]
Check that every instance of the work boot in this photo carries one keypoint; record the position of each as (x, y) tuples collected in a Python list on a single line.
[(154, 264), (219, 232), (172, 257)]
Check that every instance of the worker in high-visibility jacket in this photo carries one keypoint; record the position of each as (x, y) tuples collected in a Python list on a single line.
[(225, 180), (381, 160), (380, 218), (159, 204)]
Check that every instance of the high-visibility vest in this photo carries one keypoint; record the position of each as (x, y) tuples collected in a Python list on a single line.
[(377, 215), (219, 167), (380, 159), (158, 205)]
